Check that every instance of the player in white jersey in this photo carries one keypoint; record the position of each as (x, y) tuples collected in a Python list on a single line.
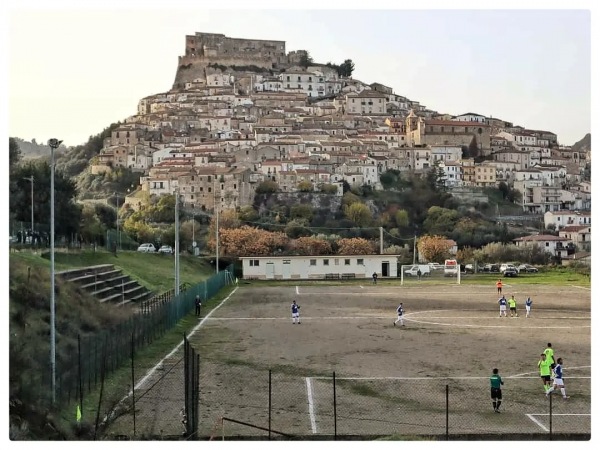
[(502, 302), (400, 311), (528, 304), (295, 312)]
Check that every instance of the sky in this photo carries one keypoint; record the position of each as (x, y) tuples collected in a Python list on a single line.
[(72, 71)]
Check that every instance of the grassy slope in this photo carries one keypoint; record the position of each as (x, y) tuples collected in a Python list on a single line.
[(154, 271)]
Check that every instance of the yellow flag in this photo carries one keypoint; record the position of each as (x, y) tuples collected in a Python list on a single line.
[(78, 415)]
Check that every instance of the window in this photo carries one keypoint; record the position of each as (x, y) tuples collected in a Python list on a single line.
[(254, 262), (337, 261), (325, 262), (346, 262), (313, 262), (360, 262)]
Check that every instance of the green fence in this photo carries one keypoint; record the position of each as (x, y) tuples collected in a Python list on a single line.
[(111, 348)]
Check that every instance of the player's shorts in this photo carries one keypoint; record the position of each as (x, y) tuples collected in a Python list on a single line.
[(497, 393), (559, 382), (545, 377), (513, 308), (502, 307), (528, 308), (295, 315)]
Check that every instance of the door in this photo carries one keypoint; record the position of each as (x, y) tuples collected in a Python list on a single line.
[(286, 269), (385, 269), (270, 274)]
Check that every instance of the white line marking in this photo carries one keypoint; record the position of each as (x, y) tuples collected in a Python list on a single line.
[(361, 287), (581, 287), (311, 412), (534, 420), (297, 290), (151, 371), (518, 375)]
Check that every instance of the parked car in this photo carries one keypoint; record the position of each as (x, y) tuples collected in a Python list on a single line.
[(470, 268), (146, 248), (526, 268), (508, 270), (413, 271), (435, 266), (166, 249), (491, 268)]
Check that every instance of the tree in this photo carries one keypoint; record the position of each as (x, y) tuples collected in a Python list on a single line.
[(248, 214), (302, 211), (306, 60), (14, 152), (434, 248), (310, 246), (440, 220), (401, 218), (328, 189), (346, 68), (359, 213), (355, 246), (503, 187), (305, 186), (267, 187)]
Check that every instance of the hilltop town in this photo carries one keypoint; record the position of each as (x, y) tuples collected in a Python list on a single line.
[(242, 112)]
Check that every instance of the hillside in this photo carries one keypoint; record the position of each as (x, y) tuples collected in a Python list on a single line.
[(583, 145), (76, 314)]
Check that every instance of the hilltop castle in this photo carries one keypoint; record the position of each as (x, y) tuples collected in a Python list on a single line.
[(202, 49)]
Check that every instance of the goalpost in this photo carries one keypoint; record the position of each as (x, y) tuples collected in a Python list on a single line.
[(425, 273)]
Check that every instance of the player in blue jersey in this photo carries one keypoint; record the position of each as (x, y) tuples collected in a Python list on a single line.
[(502, 302), (400, 311), (559, 383), (528, 304), (295, 312)]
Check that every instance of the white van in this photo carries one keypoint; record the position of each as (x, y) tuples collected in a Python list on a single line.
[(413, 271), (451, 268)]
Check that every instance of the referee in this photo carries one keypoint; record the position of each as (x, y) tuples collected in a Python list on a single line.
[(496, 383)]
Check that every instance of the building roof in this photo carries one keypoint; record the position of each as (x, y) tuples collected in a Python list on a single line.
[(541, 237), (457, 123)]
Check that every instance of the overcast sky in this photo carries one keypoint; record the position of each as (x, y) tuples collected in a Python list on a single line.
[(72, 72)]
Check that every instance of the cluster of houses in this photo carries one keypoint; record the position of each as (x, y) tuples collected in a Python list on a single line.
[(216, 138)]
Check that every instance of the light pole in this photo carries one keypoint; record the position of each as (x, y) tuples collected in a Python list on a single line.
[(177, 241), (31, 179), (53, 144), (118, 235)]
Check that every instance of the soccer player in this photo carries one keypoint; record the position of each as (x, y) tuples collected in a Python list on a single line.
[(374, 277), (549, 352), (400, 311), (502, 303), (528, 304), (495, 383), (558, 379), (512, 304), (544, 366), (295, 312), (499, 286)]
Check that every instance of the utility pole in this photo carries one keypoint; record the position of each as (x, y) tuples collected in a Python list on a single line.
[(31, 179), (118, 235), (415, 250), (177, 242), (217, 258), (381, 240)]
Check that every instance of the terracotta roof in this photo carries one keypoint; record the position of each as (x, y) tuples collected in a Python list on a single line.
[(541, 237), (457, 123)]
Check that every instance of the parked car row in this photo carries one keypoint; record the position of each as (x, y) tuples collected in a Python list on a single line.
[(150, 248), (507, 269)]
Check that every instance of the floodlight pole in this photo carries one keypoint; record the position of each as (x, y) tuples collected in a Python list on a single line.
[(54, 144), (177, 242)]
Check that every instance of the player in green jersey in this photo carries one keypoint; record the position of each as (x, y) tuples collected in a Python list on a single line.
[(495, 384), (544, 366)]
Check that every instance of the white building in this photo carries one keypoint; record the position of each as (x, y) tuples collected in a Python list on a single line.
[(555, 245), (471, 117), (564, 218), (319, 267)]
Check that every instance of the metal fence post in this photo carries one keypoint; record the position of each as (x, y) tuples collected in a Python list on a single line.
[(133, 380), (270, 404), (447, 412), (334, 410), (80, 384)]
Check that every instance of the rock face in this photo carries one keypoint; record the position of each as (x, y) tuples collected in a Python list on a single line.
[(327, 204)]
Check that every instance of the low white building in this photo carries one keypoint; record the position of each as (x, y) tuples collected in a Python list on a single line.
[(319, 267)]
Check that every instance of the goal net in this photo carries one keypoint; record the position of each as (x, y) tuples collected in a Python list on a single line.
[(427, 273)]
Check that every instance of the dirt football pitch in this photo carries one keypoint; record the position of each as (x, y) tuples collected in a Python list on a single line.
[(390, 380)]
